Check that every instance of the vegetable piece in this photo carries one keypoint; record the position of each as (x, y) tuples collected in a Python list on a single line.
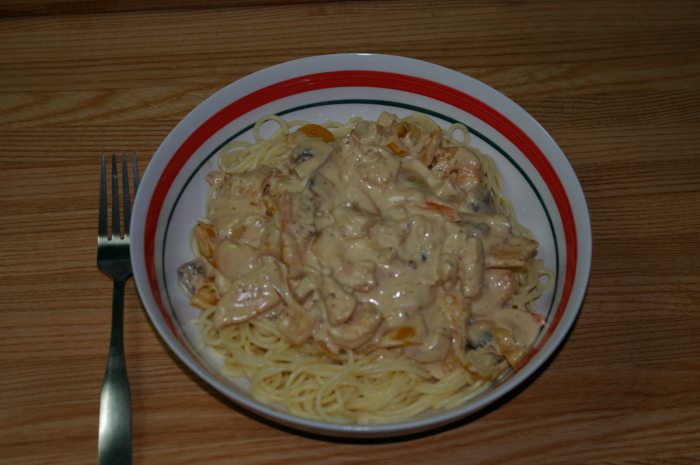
[(314, 130), (206, 239), (449, 211), (308, 156), (508, 348), (205, 297), (192, 275), (404, 333), (401, 129), (397, 149), (386, 119), (418, 181), (431, 148)]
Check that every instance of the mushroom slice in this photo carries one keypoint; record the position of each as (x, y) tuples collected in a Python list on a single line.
[(308, 156), (192, 275), (480, 333)]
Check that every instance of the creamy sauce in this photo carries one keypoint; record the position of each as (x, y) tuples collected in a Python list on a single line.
[(380, 239)]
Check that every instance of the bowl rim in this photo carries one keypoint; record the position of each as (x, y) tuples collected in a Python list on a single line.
[(369, 70)]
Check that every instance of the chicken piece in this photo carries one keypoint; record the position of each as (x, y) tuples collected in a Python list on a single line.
[(433, 349), (271, 242), (234, 260), (358, 275), (276, 274), (372, 164), (305, 287), (471, 267), (298, 214), (461, 163), (448, 269), (249, 296), (442, 369), (296, 324), (499, 286), (327, 246), (339, 304), (353, 222), (325, 194), (514, 252), (244, 195), (358, 329), (222, 283), (457, 311)]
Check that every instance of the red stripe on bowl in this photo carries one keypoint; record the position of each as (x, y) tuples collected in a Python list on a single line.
[(376, 79)]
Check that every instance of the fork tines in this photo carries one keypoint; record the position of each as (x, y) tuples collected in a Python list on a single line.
[(126, 203)]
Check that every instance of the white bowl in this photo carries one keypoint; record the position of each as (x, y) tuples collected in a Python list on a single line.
[(537, 176)]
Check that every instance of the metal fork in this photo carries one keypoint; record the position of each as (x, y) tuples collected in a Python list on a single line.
[(114, 441)]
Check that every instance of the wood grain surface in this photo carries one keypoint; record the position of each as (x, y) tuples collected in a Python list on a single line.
[(617, 84)]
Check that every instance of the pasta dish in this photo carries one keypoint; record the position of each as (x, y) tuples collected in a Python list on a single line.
[(363, 271)]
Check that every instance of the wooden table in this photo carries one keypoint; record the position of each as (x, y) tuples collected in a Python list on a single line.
[(617, 84)]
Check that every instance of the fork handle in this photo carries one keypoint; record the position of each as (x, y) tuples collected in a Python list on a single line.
[(114, 442)]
